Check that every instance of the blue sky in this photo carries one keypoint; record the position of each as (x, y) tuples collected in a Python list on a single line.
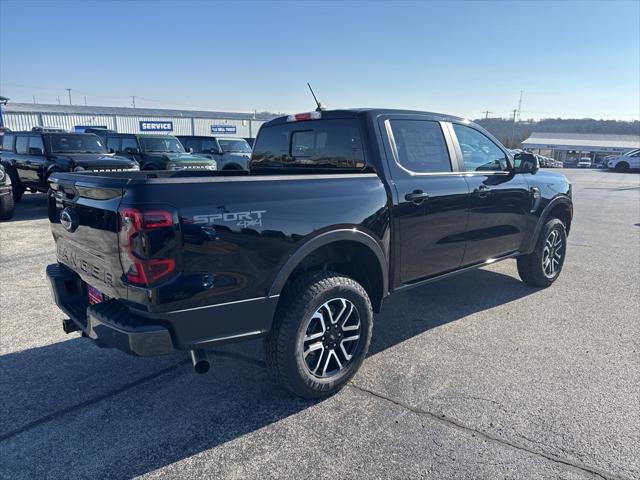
[(572, 59)]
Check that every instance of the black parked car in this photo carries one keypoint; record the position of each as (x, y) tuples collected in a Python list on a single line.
[(31, 157), (341, 208), (6, 196)]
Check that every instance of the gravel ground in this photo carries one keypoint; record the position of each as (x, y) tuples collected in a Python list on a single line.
[(477, 376)]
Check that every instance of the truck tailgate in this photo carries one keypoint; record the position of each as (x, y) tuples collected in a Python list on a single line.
[(84, 223)]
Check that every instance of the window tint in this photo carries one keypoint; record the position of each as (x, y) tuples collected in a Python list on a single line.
[(36, 142), (331, 144), (208, 145), (113, 143), (22, 145), (128, 142), (479, 152), (421, 146), (7, 143)]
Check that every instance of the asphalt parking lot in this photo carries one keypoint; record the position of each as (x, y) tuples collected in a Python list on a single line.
[(478, 376)]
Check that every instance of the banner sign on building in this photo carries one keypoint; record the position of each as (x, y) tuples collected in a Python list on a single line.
[(150, 126), (223, 129)]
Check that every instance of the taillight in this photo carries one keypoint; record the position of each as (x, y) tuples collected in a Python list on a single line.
[(147, 245)]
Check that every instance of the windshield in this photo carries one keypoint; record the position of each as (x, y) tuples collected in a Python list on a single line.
[(73, 143), (162, 144), (239, 145)]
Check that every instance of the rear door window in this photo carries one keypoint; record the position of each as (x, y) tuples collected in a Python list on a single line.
[(420, 146), (22, 145), (36, 142), (326, 144)]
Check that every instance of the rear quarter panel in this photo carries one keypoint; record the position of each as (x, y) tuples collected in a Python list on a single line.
[(241, 230)]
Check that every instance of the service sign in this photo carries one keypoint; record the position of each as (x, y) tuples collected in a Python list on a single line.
[(155, 126), (223, 129)]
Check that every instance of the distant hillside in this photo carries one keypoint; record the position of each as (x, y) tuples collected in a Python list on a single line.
[(503, 128)]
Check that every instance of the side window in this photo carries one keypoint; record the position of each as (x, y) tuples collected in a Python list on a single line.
[(113, 143), (22, 145), (208, 145), (420, 146), (36, 142), (128, 142), (480, 154), (7, 143)]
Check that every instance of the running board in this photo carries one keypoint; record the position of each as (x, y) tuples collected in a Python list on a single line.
[(442, 276)]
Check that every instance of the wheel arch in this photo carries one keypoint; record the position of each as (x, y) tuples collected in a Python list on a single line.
[(348, 251), (560, 207)]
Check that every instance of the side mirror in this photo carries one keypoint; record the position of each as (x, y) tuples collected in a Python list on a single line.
[(190, 150), (526, 163), (111, 150), (35, 151), (132, 151)]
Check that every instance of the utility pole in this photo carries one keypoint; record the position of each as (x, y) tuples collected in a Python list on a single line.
[(58, 99), (520, 105), (513, 128), (85, 100), (133, 101), (34, 99), (69, 92), (486, 114)]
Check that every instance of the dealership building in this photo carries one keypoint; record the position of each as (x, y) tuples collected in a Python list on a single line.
[(569, 147), (25, 116)]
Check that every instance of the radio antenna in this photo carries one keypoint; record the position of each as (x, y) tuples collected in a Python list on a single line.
[(320, 107)]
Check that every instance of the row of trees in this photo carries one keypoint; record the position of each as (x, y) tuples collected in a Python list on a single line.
[(512, 134)]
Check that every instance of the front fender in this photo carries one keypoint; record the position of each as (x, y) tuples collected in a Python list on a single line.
[(542, 219)]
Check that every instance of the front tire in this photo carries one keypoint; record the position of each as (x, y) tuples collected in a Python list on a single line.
[(622, 167), (321, 334), (16, 184), (542, 267), (6, 207)]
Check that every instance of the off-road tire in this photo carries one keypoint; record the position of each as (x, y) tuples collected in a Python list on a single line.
[(302, 297), (16, 184), (6, 207), (530, 267)]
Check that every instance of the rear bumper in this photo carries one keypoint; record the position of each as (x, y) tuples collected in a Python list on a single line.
[(108, 324), (112, 324)]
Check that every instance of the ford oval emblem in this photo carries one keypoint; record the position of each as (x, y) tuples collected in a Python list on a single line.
[(69, 219)]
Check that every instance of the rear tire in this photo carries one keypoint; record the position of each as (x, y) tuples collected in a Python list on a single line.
[(312, 348), (6, 207), (542, 267)]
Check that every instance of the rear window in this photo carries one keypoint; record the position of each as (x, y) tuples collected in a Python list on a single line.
[(324, 144)]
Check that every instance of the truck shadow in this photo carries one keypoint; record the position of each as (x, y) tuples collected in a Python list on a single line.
[(85, 412), (33, 206)]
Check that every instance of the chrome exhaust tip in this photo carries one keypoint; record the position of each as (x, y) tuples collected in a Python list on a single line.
[(200, 361)]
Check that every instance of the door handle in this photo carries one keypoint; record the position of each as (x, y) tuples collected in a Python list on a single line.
[(417, 196), (482, 191)]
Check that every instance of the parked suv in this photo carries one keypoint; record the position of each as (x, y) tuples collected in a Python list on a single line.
[(30, 157), (6, 196), (625, 162), (157, 152), (229, 153)]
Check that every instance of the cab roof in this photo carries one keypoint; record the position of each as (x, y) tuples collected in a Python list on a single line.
[(370, 112)]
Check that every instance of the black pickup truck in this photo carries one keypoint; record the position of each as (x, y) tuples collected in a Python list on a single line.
[(341, 208)]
